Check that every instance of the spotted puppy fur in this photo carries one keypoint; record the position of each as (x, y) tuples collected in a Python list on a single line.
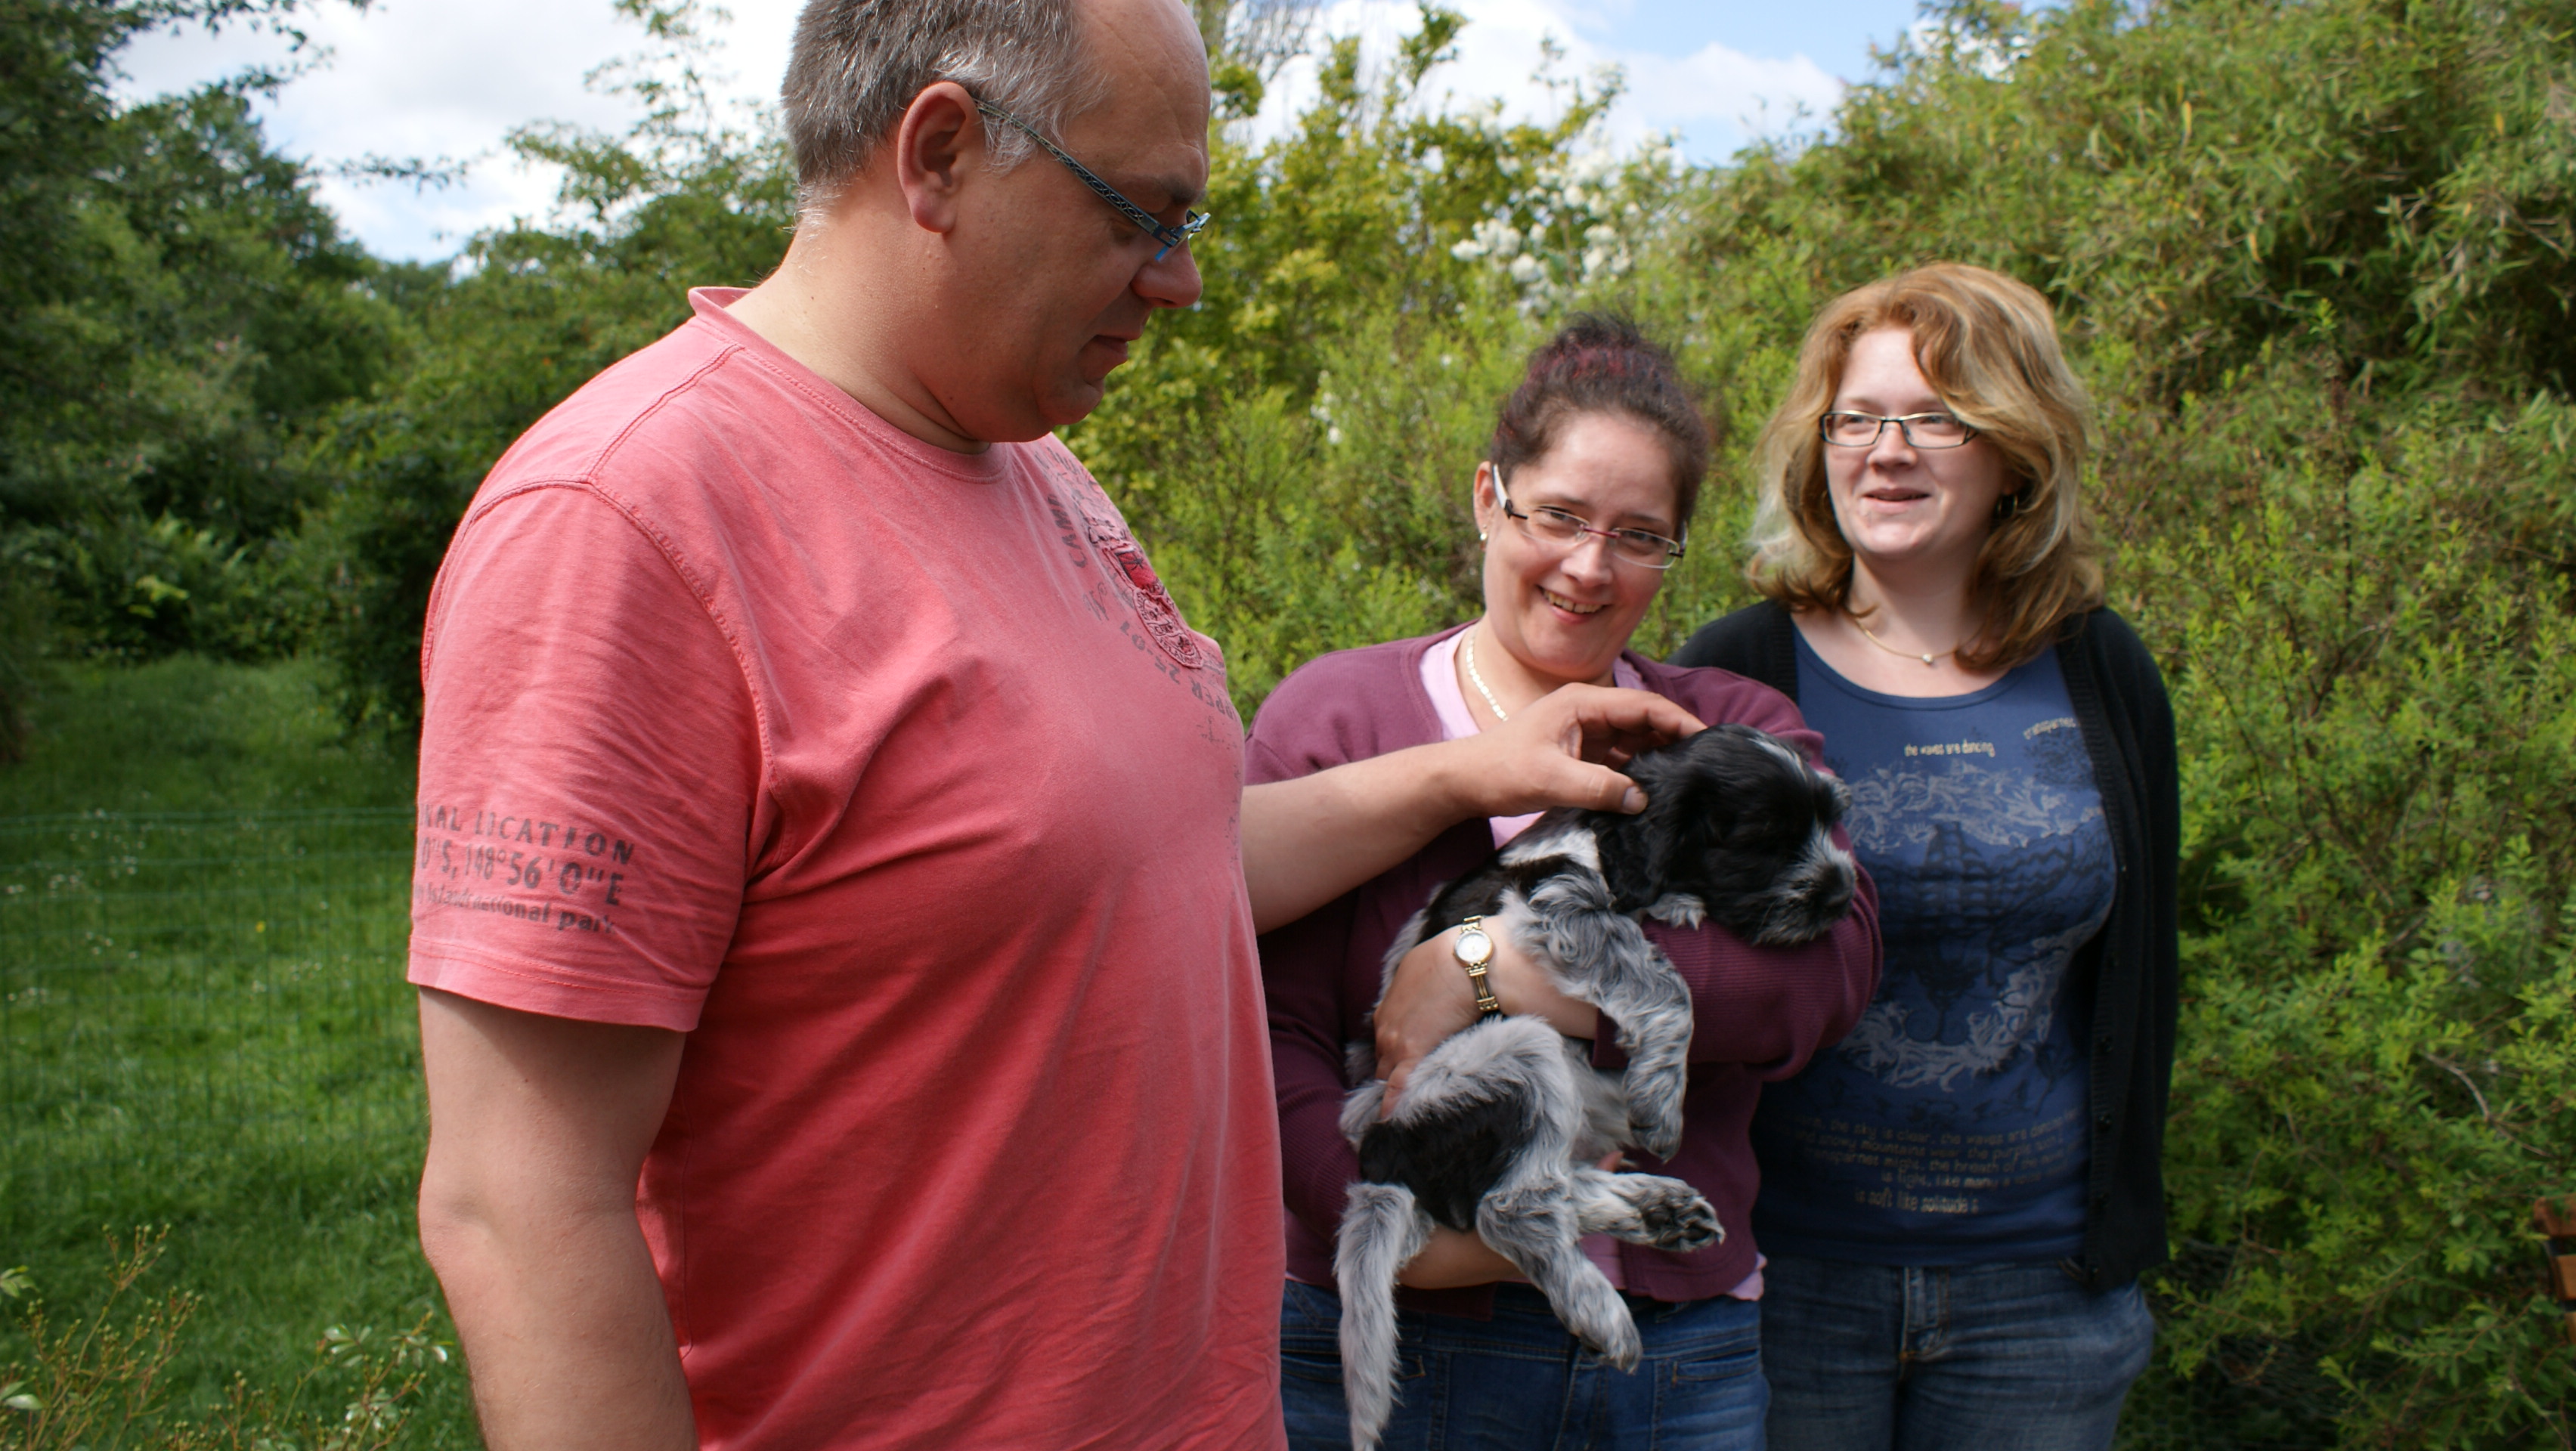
[(1500, 1128)]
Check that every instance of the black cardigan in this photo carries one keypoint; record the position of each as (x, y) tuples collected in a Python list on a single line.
[(2131, 971)]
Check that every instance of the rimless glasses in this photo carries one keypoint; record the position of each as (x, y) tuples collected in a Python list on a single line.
[(1561, 530)]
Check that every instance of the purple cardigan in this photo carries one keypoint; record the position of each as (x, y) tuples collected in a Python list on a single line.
[(1761, 1012)]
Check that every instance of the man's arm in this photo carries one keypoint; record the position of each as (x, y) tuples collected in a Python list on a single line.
[(1310, 839), (538, 1130)]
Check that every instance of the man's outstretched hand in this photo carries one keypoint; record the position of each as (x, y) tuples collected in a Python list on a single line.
[(1562, 750), (1309, 839)]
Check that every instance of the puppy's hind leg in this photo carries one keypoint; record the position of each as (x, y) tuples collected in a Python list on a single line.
[(1644, 1209), (1535, 1227), (1382, 1227)]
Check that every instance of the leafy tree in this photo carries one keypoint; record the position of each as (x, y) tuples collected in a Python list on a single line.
[(685, 197), (175, 308)]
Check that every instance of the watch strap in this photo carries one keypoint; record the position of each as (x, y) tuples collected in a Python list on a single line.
[(1487, 1005)]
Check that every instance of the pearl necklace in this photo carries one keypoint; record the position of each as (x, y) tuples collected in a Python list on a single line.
[(1928, 660), (1467, 653)]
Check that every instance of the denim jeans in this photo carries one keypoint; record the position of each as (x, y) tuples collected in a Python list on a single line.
[(2005, 1357), (1520, 1382)]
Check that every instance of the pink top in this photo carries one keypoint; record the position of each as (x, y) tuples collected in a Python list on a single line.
[(890, 776), (1440, 681)]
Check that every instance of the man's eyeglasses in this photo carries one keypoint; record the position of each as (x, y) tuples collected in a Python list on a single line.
[(1559, 529), (1921, 430), (1191, 222)]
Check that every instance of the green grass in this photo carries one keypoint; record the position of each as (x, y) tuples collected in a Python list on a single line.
[(187, 734), (203, 1022)]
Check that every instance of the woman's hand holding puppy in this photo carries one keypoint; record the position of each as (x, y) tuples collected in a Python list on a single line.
[(1430, 998)]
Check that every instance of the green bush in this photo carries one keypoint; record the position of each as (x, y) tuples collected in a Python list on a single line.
[(679, 201), (2377, 701)]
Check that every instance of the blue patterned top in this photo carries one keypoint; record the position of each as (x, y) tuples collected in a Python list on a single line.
[(1948, 1128)]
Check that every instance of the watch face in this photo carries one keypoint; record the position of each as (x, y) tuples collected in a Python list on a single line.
[(1475, 948)]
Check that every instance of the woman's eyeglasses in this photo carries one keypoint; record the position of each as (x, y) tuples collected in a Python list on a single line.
[(1561, 530), (1920, 430)]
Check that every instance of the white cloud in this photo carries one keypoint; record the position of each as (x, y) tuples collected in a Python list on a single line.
[(445, 79), (1717, 97), (1724, 98), (450, 78)]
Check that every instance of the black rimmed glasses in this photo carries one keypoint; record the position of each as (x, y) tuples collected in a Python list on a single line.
[(1920, 430), (1561, 530), (1192, 223)]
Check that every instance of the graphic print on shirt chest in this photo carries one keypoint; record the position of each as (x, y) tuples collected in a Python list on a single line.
[(1130, 595), (1993, 866)]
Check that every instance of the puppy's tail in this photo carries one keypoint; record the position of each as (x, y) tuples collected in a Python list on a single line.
[(1382, 1228)]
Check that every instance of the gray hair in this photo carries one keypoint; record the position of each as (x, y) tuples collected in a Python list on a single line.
[(858, 64)]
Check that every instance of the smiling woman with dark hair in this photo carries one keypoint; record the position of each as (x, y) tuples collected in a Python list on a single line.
[(1959, 1196), (1382, 772)]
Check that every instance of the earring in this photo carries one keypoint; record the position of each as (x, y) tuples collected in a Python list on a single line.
[(1480, 536)]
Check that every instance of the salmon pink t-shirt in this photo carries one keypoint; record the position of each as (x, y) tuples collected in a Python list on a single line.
[(892, 778)]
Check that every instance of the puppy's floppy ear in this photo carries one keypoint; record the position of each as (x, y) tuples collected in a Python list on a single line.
[(1673, 832), (1834, 798)]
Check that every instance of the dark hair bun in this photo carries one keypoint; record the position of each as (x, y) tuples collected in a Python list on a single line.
[(1603, 363)]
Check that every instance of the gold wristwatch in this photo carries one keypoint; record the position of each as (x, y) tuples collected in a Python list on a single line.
[(1475, 952)]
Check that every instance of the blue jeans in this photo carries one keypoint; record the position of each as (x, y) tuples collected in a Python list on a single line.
[(2008, 1357), (1520, 1382)]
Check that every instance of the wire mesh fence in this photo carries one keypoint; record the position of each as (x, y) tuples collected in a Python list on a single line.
[(185, 994), (207, 1012)]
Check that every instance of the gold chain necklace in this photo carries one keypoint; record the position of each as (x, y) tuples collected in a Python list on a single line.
[(1928, 660), (1467, 652)]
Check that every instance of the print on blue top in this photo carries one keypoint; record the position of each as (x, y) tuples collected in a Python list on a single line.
[(1948, 1128)]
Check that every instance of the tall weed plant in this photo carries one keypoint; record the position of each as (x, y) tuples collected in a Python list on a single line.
[(99, 1381)]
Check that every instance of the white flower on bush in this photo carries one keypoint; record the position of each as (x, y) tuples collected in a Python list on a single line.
[(1322, 408), (1494, 237), (1577, 219)]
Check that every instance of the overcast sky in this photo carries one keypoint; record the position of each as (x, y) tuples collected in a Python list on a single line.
[(449, 78)]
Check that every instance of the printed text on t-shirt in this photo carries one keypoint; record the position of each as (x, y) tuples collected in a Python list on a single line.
[(488, 860), (1955, 748)]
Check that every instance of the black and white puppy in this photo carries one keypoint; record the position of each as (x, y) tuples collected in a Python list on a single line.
[(1500, 1128)]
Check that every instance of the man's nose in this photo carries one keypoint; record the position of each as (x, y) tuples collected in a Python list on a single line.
[(1171, 281)]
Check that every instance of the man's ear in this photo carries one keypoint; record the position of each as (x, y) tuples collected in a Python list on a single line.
[(938, 145)]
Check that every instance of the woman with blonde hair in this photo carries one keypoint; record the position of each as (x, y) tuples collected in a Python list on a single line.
[(1957, 1199)]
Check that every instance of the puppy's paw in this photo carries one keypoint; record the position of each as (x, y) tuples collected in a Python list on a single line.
[(1657, 1134), (1680, 909), (1617, 1344), (1679, 1221)]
